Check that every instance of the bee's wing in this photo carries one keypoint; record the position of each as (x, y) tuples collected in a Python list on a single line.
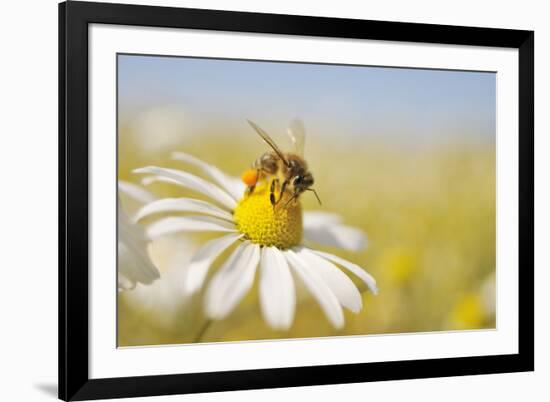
[(269, 141), (297, 134)]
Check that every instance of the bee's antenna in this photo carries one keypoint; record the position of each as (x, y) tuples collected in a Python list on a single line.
[(316, 196), (296, 196)]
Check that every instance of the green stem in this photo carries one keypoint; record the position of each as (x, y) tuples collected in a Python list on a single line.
[(200, 335)]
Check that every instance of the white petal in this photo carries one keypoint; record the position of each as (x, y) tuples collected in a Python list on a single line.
[(174, 224), (340, 236), (355, 269), (340, 284), (317, 218), (192, 182), (125, 283), (325, 229), (135, 192), (153, 179), (134, 262), (182, 205), (232, 281), (203, 259), (277, 292), (232, 185), (318, 288), (134, 267)]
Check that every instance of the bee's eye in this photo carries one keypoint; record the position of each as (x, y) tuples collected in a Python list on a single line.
[(297, 180)]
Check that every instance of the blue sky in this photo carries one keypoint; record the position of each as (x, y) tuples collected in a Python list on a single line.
[(356, 100)]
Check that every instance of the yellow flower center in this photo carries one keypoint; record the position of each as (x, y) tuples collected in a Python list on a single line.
[(268, 225)]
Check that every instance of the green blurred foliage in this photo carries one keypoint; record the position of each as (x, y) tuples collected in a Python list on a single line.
[(428, 210)]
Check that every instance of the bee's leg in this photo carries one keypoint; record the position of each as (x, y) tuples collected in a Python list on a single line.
[(282, 191), (252, 187), (293, 198), (274, 183)]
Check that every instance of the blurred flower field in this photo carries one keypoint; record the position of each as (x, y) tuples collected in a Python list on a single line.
[(427, 207)]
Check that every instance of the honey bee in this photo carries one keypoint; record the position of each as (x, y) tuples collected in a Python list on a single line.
[(288, 171)]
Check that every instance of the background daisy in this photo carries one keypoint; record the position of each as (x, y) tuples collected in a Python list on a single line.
[(158, 294), (134, 263)]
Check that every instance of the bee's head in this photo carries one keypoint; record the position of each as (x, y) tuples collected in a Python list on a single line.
[(303, 181)]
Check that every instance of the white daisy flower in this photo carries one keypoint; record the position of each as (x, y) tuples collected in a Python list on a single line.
[(134, 264), (271, 240)]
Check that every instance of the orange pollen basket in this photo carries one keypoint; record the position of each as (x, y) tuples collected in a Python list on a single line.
[(250, 177)]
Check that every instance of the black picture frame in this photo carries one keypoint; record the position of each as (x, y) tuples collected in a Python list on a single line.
[(74, 18)]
